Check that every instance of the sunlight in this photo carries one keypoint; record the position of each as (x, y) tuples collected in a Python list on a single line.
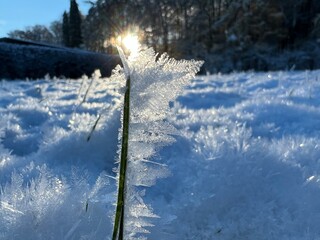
[(131, 43)]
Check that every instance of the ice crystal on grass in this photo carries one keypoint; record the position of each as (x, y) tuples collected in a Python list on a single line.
[(50, 207), (155, 82)]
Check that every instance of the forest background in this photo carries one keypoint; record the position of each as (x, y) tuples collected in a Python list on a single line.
[(230, 35)]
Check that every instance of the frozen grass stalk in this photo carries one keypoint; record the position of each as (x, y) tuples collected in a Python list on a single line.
[(152, 82), (119, 217)]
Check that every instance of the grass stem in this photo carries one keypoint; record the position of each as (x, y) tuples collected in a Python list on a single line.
[(119, 217)]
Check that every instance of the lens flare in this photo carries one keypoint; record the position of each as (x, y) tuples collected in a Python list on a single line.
[(131, 43)]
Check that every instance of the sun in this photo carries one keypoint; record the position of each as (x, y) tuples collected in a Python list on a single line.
[(131, 43)]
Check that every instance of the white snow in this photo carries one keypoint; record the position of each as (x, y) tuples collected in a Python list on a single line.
[(246, 165)]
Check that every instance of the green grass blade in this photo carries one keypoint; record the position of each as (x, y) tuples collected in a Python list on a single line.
[(119, 217)]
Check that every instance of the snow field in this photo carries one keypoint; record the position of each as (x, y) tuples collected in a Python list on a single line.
[(245, 165), (55, 184)]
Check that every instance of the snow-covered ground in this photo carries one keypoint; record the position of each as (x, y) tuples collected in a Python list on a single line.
[(246, 165)]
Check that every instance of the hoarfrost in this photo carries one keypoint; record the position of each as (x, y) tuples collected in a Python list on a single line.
[(33, 209), (155, 82)]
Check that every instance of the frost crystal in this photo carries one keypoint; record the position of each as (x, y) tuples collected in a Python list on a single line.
[(155, 82)]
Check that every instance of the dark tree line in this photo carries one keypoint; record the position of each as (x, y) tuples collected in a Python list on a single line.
[(177, 25), (194, 28), (40, 33)]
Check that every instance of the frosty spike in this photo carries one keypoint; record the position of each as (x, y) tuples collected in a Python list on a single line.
[(119, 217), (152, 82)]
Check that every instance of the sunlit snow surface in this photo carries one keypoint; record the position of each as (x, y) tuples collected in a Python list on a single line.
[(246, 165)]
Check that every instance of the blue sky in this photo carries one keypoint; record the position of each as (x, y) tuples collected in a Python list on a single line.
[(18, 14)]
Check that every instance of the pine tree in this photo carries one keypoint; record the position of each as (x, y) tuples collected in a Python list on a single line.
[(75, 25), (65, 29)]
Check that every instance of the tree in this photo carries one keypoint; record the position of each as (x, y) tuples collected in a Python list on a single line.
[(56, 30), (75, 35), (96, 27), (65, 29), (107, 20), (37, 33)]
